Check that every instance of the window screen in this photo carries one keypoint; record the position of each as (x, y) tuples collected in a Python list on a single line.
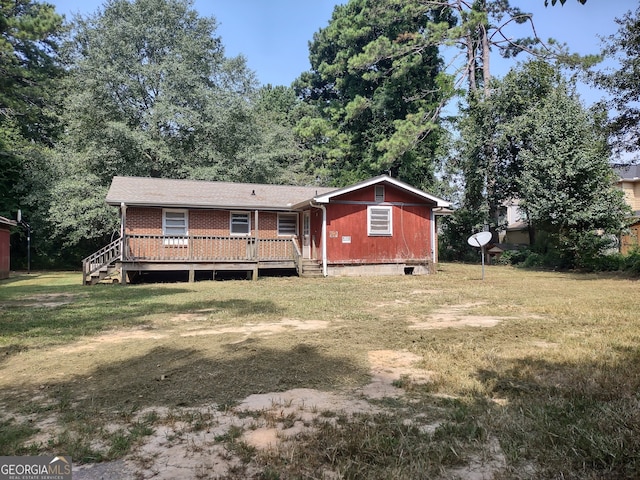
[(240, 223), (379, 221)]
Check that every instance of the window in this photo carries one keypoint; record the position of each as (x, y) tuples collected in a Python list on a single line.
[(379, 221), (379, 193), (240, 223), (175, 224), (287, 224)]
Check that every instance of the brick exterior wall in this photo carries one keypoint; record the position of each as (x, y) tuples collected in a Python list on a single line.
[(148, 221), (200, 222), (144, 221)]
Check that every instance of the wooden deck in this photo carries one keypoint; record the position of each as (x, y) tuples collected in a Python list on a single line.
[(138, 253)]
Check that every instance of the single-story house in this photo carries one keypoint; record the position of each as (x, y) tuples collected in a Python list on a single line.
[(629, 183), (5, 246), (378, 226)]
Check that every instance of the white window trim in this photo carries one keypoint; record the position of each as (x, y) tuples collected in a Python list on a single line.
[(239, 212), (280, 215), (175, 241), (376, 197), (389, 232)]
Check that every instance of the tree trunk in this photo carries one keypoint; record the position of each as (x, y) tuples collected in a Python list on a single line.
[(486, 72)]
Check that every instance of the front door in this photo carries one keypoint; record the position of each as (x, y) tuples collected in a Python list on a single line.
[(306, 234)]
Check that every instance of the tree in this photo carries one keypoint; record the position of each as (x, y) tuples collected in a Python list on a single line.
[(276, 111), (29, 32), (378, 89), (553, 159), (562, 2), (149, 93), (624, 84), (566, 184)]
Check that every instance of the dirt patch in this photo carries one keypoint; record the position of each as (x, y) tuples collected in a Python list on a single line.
[(388, 369), (221, 441), (179, 448), (455, 316), (111, 338), (262, 328), (43, 300), (485, 465), (207, 442)]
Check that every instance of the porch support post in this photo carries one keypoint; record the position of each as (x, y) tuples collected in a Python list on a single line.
[(123, 243), (434, 243), (257, 249), (256, 236), (325, 268), (123, 222), (192, 274)]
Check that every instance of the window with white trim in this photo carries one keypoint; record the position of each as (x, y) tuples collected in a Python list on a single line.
[(175, 223), (379, 193), (240, 223), (287, 224), (379, 221)]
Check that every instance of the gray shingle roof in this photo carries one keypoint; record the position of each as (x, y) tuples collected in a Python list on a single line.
[(628, 172), (165, 192)]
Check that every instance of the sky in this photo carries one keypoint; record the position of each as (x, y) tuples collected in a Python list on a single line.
[(274, 35)]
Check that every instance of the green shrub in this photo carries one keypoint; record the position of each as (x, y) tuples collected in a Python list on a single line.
[(534, 259), (513, 257), (631, 263)]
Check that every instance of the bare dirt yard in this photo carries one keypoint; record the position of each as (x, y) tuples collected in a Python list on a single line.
[(523, 375)]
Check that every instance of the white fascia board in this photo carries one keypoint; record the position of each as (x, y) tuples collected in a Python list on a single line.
[(326, 198)]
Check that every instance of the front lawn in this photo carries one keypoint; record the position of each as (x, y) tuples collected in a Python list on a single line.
[(523, 375)]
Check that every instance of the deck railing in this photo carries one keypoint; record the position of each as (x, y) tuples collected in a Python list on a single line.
[(194, 248)]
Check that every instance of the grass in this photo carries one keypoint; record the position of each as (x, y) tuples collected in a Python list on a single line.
[(555, 383)]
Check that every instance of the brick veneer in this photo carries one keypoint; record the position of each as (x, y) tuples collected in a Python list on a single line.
[(148, 221)]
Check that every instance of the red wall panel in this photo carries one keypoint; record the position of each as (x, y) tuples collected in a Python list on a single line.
[(347, 217)]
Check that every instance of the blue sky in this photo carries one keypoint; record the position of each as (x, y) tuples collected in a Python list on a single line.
[(273, 35)]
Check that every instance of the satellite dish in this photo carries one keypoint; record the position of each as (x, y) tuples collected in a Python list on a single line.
[(479, 239)]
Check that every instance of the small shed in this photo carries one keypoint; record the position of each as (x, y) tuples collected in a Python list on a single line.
[(5, 246)]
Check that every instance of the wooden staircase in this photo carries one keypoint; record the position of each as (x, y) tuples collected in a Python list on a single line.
[(102, 264), (310, 268)]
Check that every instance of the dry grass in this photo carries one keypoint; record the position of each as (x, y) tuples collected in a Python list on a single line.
[(543, 364)]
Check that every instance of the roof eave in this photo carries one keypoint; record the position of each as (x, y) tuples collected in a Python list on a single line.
[(326, 198), (285, 208)]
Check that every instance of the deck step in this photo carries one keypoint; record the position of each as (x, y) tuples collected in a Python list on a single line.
[(102, 275), (311, 268)]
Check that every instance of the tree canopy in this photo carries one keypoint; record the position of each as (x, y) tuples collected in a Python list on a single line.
[(377, 89), (553, 159), (147, 90), (623, 82), (150, 92), (29, 33)]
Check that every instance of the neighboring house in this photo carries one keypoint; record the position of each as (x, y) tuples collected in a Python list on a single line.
[(629, 183), (516, 231), (5, 246), (379, 226)]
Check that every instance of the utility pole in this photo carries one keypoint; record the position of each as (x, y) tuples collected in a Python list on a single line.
[(28, 227)]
